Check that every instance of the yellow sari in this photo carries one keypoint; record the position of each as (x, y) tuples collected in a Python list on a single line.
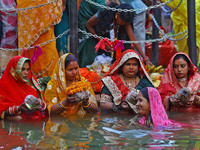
[(180, 22), (56, 90), (36, 26)]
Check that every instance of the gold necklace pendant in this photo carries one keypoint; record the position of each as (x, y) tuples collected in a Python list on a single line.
[(129, 85)]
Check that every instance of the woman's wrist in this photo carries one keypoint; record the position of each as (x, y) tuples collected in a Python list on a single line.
[(86, 104), (14, 110), (117, 108), (63, 105), (146, 58), (197, 99)]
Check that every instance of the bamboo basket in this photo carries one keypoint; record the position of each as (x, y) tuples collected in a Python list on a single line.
[(5, 57)]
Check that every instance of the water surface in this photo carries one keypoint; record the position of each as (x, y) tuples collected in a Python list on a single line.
[(99, 132)]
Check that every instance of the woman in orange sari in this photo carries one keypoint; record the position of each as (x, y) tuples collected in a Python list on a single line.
[(17, 82), (36, 26), (180, 73), (64, 80)]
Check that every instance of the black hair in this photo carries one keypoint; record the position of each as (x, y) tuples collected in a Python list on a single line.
[(144, 93), (178, 56), (69, 59), (126, 16), (105, 17), (149, 119)]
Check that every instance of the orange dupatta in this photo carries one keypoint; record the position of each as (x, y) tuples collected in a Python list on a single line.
[(36, 26)]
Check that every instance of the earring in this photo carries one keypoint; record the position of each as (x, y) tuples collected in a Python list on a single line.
[(116, 16)]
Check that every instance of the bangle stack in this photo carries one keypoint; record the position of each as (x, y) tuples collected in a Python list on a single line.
[(61, 106), (198, 101), (44, 106), (14, 110), (146, 59), (88, 105), (115, 108)]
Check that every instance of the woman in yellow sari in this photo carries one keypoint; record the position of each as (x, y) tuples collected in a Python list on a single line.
[(36, 26), (66, 82)]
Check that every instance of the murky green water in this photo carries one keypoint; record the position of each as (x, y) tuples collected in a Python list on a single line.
[(99, 132)]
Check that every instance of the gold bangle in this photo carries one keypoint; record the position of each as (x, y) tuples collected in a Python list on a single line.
[(62, 105), (87, 104), (198, 100)]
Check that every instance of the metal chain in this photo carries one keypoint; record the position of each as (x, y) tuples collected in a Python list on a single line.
[(47, 42), (168, 37), (169, 11), (128, 10), (127, 42), (27, 8)]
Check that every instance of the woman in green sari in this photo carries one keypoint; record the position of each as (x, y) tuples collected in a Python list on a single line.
[(127, 74)]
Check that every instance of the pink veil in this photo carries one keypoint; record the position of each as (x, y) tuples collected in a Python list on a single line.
[(158, 113)]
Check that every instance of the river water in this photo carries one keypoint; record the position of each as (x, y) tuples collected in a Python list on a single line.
[(101, 132)]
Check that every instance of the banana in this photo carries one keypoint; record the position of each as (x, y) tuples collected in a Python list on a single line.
[(158, 68), (152, 68), (161, 70), (156, 83)]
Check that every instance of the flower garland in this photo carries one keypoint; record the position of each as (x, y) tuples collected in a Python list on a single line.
[(77, 87)]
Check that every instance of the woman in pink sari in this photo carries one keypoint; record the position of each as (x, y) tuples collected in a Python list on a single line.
[(150, 105), (180, 73)]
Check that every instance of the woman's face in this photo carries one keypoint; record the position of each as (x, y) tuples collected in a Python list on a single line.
[(71, 71), (181, 68), (130, 67), (143, 105), (25, 70)]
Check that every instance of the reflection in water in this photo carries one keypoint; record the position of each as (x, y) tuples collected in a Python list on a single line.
[(97, 132)]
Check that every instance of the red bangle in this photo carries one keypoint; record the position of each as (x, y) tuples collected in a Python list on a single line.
[(145, 59)]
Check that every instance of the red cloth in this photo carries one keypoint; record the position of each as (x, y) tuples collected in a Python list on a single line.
[(169, 84), (14, 88), (166, 50), (93, 78), (116, 44)]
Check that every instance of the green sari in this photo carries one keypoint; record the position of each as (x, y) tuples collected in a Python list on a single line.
[(62, 43)]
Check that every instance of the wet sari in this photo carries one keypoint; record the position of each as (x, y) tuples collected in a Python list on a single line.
[(114, 89), (56, 90), (14, 88), (169, 85)]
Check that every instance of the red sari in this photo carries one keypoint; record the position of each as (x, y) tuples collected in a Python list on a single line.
[(14, 88), (169, 85)]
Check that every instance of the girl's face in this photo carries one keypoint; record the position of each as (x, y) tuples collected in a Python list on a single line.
[(71, 71), (25, 70), (130, 67), (181, 68), (143, 105)]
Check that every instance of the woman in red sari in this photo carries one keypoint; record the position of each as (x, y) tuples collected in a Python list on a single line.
[(17, 82), (180, 73)]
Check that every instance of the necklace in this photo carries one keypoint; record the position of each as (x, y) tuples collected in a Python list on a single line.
[(129, 85), (182, 79), (116, 29)]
